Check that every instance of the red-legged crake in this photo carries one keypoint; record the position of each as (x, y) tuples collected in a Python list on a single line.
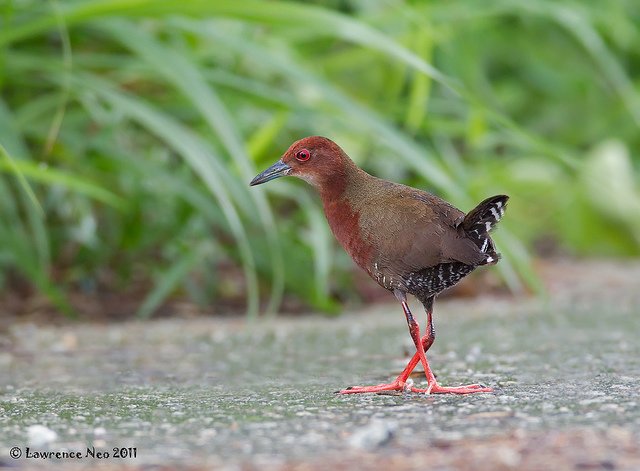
[(409, 241)]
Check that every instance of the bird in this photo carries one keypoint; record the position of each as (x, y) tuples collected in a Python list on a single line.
[(411, 242)]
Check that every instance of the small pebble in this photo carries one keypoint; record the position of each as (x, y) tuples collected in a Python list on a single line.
[(40, 436), (373, 435)]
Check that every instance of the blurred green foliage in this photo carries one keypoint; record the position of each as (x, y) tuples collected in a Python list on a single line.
[(137, 126)]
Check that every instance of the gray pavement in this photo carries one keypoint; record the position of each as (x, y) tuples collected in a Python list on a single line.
[(222, 394)]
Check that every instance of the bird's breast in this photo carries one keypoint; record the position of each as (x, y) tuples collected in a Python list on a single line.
[(344, 221)]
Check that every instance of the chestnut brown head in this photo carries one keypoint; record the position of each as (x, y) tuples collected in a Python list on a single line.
[(314, 159)]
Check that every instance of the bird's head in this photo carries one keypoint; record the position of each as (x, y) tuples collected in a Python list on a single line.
[(315, 159)]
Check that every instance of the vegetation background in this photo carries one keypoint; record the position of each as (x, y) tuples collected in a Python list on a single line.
[(130, 129)]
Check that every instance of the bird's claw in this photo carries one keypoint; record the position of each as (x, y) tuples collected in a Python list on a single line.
[(395, 386)]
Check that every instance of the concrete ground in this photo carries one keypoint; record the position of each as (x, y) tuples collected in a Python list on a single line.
[(220, 394)]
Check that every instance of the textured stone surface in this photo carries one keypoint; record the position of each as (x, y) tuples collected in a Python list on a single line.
[(223, 394)]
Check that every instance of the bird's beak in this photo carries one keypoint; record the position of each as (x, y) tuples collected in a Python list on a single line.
[(279, 169)]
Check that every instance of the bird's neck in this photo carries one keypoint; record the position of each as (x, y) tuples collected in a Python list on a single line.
[(345, 183), (341, 199)]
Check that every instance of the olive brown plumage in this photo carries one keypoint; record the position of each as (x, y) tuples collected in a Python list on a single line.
[(409, 241)]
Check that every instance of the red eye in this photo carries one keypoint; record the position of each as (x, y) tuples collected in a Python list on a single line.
[(303, 155)]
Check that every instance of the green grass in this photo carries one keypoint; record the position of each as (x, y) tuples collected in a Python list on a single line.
[(131, 130)]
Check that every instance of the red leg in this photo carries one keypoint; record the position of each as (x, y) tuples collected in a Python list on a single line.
[(422, 345), (434, 387), (430, 335), (400, 382)]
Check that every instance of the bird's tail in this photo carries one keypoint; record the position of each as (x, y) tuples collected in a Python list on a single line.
[(479, 222)]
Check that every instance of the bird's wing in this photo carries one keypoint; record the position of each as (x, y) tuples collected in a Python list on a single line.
[(420, 231)]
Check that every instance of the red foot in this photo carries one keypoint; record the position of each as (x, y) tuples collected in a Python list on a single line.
[(435, 389), (468, 389), (395, 386)]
